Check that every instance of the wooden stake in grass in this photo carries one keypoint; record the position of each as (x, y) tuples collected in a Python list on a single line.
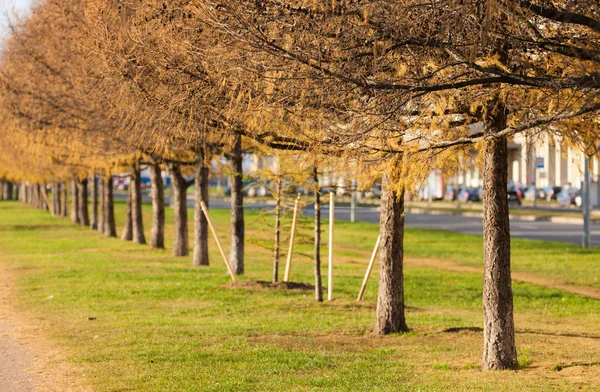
[(50, 208), (369, 268), (330, 272), (288, 263), (212, 228)]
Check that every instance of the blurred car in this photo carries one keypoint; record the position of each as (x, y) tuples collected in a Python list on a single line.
[(249, 188), (568, 197), (514, 198), (145, 182), (452, 193), (470, 194), (530, 193), (550, 192), (121, 183), (374, 191)]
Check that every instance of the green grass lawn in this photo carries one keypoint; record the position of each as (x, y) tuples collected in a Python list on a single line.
[(137, 319)]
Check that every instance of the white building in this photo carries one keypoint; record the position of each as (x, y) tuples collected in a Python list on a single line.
[(541, 162)]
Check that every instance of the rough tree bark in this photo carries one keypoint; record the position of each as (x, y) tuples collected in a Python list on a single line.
[(94, 192), (82, 202), (65, 200), (157, 232), (180, 244), (110, 229), (44, 200), (23, 193), (26, 193), (137, 219), (236, 254), (390, 301), (74, 202), (35, 192), (317, 246), (499, 349), (102, 212), (277, 232), (127, 233), (43, 192), (200, 256), (56, 205), (8, 193)]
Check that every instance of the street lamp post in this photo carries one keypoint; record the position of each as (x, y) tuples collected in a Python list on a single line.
[(585, 202)]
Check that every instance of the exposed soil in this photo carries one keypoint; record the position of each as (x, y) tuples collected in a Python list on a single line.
[(260, 284), (28, 361)]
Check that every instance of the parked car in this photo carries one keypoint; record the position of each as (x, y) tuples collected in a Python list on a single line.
[(568, 197), (550, 192), (514, 198), (121, 183), (249, 188), (145, 182), (470, 194), (452, 192), (374, 191), (530, 193)]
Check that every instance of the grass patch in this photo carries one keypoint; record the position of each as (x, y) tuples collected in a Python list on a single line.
[(139, 319)]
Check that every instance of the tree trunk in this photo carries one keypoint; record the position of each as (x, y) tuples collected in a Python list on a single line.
[(277, 233), (200, 256), (84, 217), (65, 200), (9, 191), (157, 233), (1, 190), (94, 220), (136, 206), (102, 212), (236, 254), (36, 196), (317, 246), (74, 203), (127, 234), (23, 193), (56, 198), (390, 301), (17, 189), (110, 229), (180, 244), (499, 350), (43, 192)]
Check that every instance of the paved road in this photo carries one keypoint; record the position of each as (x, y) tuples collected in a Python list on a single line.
[(547, 231)]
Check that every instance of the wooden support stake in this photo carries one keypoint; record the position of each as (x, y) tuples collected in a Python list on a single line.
[(331, 220), (43, 191), (369, 268), (288, 263), (212, 228)]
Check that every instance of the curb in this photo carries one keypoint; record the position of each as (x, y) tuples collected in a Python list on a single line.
[(528, 218)]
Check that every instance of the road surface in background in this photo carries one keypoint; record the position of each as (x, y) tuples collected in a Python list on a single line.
[(540, 230)]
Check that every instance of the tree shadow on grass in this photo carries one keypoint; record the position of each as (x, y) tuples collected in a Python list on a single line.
[(29, 227)]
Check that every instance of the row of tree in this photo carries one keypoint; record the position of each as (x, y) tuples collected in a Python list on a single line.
[(399, 88)]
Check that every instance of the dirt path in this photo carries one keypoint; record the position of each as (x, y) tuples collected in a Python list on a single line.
[(29, 362), (590, 292)]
